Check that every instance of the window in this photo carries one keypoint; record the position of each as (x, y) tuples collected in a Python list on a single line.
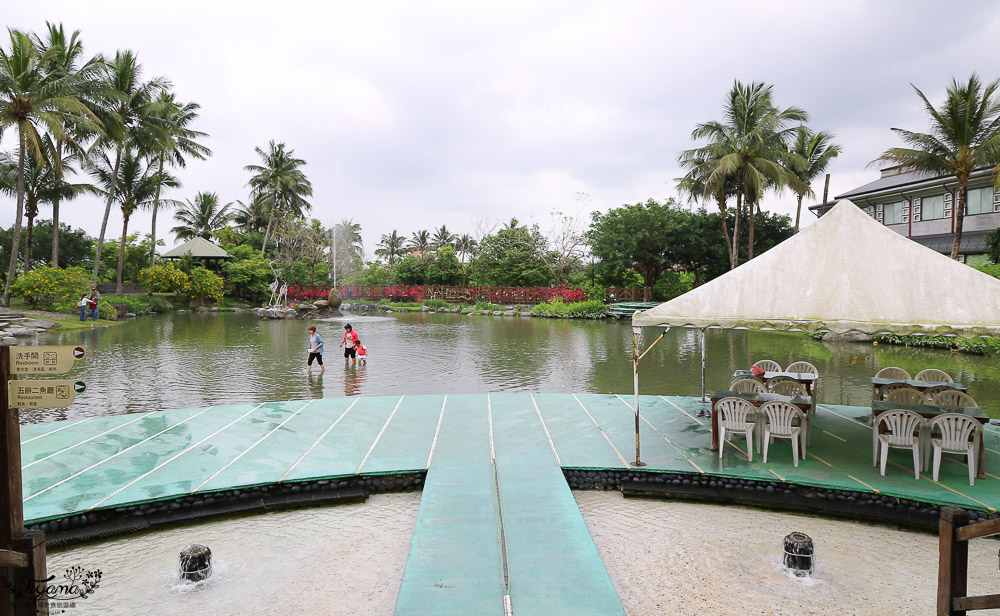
[(932, 207), (892, 213), (979, 200)]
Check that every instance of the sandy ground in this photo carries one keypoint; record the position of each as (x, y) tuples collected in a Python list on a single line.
[(667, 557), (345, 559)]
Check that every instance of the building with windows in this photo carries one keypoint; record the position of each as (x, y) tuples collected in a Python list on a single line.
[(922, 207)]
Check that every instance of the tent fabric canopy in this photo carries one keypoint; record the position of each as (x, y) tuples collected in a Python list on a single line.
[(199, 248), (846, 272)]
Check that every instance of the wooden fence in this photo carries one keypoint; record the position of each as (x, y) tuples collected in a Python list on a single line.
[(953, 564), (469, 294)]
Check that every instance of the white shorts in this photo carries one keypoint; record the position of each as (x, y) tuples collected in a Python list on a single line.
[(363, 357)]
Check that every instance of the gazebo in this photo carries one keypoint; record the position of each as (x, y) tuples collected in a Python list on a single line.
[(846, 272), (199, 248)]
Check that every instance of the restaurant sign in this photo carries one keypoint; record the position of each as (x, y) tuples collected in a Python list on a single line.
[(47, 394)]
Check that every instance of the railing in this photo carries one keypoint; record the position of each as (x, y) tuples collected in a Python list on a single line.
[(467, 294), (630, 294), (953, 564)]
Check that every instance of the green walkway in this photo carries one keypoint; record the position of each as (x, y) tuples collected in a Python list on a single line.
[(508, 528)]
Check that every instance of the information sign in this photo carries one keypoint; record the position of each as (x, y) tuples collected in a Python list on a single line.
[(47, 394), (44, 359)]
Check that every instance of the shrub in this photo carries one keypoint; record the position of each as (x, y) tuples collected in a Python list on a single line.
[(159, 304), (590, 309), (164, 278), (671, 284), (976, 346), (46, 287), (204, 286), (482, 306), (434, 304), (135, 305)]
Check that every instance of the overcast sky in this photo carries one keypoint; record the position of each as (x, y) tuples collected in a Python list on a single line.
[(411, 115)]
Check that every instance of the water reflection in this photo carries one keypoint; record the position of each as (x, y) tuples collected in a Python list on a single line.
[(195, 360)]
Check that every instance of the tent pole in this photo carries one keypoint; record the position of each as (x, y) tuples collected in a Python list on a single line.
[(635, 388), (703, 364)]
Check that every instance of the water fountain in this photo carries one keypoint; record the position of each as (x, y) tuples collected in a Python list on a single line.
[(799, 553), (196, 562)]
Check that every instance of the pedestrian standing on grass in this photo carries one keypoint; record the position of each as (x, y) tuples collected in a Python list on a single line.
[(315, 351)]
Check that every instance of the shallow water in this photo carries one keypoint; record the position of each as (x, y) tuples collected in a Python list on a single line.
[(195, 360)]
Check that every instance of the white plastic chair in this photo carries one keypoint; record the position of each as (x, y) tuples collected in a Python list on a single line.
[(736, 416), (802, 367), (905, 395), (779, 422), (742, 377), (959, 434), (748, 386), (952, 397), (786, 386), (933, 375), (893, 372), (902, 432), (768, 365)]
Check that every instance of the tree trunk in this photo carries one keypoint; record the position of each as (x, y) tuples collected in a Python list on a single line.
[(107, 212), (156, 206), (55, 232), (798, 212), (753, 219), (725, 228), (31, 211), (736, 225), (270, 220), (963, 181), (15, 248), (121, 256)]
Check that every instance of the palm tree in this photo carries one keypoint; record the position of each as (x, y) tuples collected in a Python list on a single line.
[(42, 184), (202, 217), (442, 237), (179, 142), (812, 153), (279, 183), (136, 185), (420, 240), (465, 245), (32, 100), (391, 247), (129, 121), (750, 143), (250, 217), (700, 164), (64, 57), (965, 136)]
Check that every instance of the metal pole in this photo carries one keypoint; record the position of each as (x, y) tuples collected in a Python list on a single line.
[(334, 256), (635, 387), (703, 364)]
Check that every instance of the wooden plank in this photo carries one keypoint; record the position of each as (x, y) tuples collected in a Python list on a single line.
[(951, 578), (982, 602), (977, 530), (10, 558)]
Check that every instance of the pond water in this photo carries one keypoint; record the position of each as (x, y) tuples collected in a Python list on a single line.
[(199, 359)]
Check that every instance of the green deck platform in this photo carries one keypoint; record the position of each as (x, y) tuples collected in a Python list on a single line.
[(456, 562)]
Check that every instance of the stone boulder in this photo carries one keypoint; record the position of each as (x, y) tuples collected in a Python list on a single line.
[(39, 323), (321, 304), (335, 298), (847, 337)]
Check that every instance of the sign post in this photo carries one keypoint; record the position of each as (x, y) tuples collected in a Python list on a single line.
[(22, 552)]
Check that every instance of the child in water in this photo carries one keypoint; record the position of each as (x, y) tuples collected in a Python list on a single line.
[(362, 351)]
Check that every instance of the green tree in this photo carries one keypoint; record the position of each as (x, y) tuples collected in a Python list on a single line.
[(34, 101), (129, 120), (750, 144), (43, 183), (63, 58), (202, 217), (250, 217), (812, 153), (509, 257), (443, 237), (411, 269), (248, 273), (177, 142), (700, 164), (420, 241), (374, 274), (77, 246), (279, 184), (350, 250), (443, 268), (391, 247), (965, 136), (134, 186)]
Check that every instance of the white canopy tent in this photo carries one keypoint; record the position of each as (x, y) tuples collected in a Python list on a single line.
[(846, 272)]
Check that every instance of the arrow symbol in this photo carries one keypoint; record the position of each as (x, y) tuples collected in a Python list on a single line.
[(79, 352), (80, 387)]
